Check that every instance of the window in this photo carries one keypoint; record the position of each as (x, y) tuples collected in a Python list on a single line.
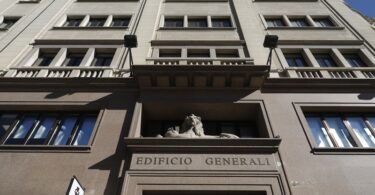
[(45, 58), (73, 21), (323, 22), (174, 22), (96, 22), (325, 60), (73, 59), (197, 22), (275, 22), (120, 22), (227, 53), (198, 53), (46, 128), (342, 130), (221, 22), (8, 22), (102, 59), (295, 60), (170, 53), (299, 22), (354, 60)]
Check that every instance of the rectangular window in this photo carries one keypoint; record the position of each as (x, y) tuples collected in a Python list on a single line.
[(174, 22), (73, 21), (325, 60), (198, 22), (342, 130), (96, 21), (323, 22), (8, 22), (295, 60), (120, 22), (45, 58), (169, 53), (354, 60), (102, 59), (46, 128), (221, 22), (198, 53), (227, 53), (275, 22), (299, 22)]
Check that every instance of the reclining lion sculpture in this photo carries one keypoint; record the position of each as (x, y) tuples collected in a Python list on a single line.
[(192, 127)]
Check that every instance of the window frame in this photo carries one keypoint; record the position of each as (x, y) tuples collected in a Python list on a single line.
[(309, 19), (84, 24), (339, 109), (186, 18), (3, 18), (47, 146)]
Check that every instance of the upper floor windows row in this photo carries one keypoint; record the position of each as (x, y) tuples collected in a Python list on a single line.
[(70, 57), (327, 58), (196, 22), (46, 128), (93, 21), (6, 22), (300, 21), (198, 53)]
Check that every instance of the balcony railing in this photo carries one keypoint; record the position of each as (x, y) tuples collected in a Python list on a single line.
[(328, 73), (201, 61), (60, 72)]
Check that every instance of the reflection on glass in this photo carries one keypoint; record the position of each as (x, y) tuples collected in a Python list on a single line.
[(85, 130), (42, 130), (362, 131), (65, 130), (6, 121), (340, 132), (320, 134), (19, 134)]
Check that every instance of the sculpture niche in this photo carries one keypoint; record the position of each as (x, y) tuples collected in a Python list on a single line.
[(192, 127)]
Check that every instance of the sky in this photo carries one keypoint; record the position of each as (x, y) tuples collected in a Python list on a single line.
[(366, 7)]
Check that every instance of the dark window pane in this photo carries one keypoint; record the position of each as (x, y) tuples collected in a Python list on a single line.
[(73, 22), (198, 23), (174, 22), (275, 22), (362, 132), (8, 22), (354, 60), (221, 23), (6, 120), (42, 131), (319, 132), (169, 53), (73, 60), (96, 22), (323, 22), (227, 53), (198, 53), (120, 22), (340, 132), (102, 60), (23, 128), (65, 130), (299, 22), (85, 130), (44, 59), (325, 60), (295, 60)]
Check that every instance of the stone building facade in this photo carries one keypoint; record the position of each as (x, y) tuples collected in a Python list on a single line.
[(72, 105)]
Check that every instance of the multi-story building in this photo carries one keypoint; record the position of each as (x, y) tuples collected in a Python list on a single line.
[(72, 105)]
